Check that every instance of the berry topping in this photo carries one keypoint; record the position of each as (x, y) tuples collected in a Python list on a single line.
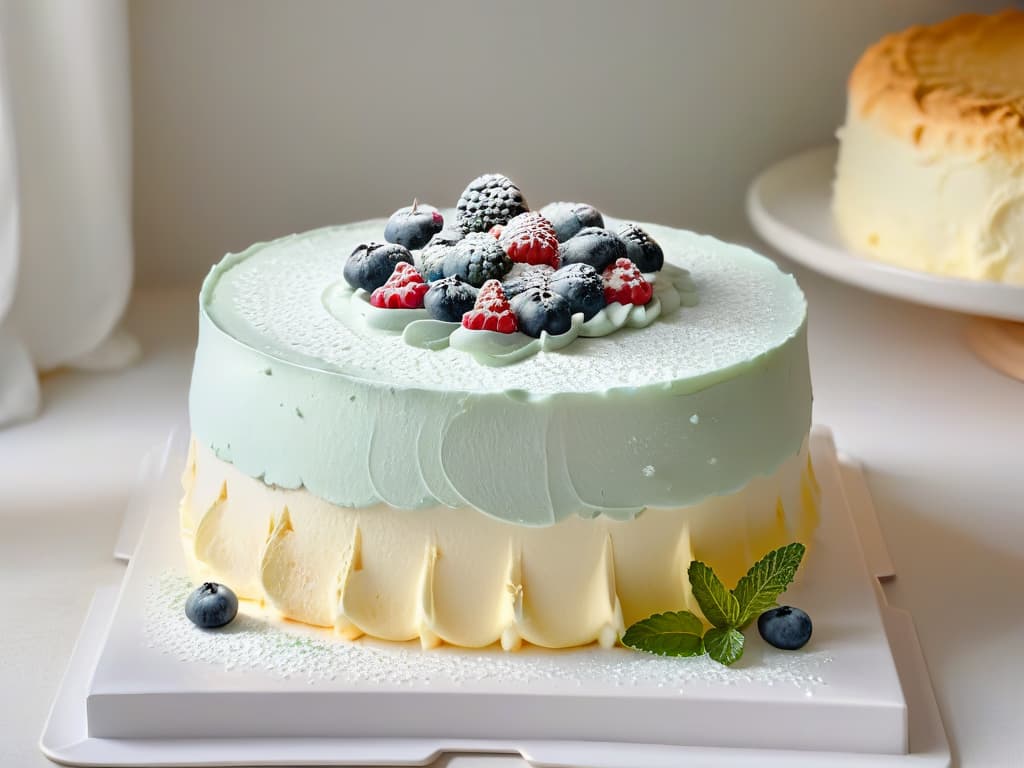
[(594, 246), (450, 235), (211, 605), (477, 258), (449, 299), (570, 218), (433, 259), (785, 627), (371, 264), (539, 309), (414, 225), (624, 283), (581, 285), (491, 312), (530, 277), (496, 231), (641, 248), (530, 239), (488, 200), (403, 290)]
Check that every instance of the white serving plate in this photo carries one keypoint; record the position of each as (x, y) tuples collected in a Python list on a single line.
[(789, 206), (127, 700)]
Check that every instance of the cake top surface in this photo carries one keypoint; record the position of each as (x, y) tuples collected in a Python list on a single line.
[(957, 85), (273, 298)]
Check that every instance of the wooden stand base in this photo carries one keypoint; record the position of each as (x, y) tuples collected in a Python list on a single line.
[(999, 343)]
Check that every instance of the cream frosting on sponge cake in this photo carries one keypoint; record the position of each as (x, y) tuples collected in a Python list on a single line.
[(483, 468), (931, 157)]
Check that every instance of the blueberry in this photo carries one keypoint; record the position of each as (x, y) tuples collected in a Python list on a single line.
[(594, 246), (449, 299), (581, 285), (478, 258), (785, 627), (371, 264), (414, 225), (449, 235), (534, 277), (433, 258), (641, 248), (538, 309), (569, 218), (211, 606)]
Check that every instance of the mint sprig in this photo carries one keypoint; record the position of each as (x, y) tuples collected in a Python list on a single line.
[(667, 634), (717, 603), (681, 633), (724, 644), (765, 581)]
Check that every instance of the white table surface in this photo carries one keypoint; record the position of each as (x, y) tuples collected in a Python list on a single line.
[(941, 436)]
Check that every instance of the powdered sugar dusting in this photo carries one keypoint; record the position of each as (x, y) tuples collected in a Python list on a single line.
[(272, 300), (255, 642)]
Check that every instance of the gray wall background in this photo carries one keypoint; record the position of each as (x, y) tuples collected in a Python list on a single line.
[(254, 119)]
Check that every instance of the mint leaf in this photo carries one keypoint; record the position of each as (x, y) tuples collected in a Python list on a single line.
[(667, 634), (716, 602), (724, 644), (765, 581)]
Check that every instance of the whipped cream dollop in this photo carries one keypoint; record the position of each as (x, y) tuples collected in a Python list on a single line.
[(673, 288)]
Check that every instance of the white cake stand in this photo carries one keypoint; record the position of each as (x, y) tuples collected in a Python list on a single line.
[(789, 205), (128, 700)]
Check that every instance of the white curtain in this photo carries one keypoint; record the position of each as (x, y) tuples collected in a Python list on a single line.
[(65, 192)]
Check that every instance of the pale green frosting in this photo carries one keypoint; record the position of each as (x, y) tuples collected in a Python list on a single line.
[(290, 393)]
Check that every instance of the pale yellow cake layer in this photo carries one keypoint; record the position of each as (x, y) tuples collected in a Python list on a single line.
[(455, 575)]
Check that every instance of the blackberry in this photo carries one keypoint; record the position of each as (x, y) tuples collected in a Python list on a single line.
[(477, 258), (529, 278), (641, 248), (488, 200)]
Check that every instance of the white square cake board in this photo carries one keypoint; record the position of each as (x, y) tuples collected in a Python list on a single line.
[(144, 687)]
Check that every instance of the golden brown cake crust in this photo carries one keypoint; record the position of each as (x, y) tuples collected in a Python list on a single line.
[(957, 85)]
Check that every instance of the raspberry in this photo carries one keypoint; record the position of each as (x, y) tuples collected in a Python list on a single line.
[(405, 289), (530, 239), (624, 283), (491, 311), (488, 200), (496, 231)]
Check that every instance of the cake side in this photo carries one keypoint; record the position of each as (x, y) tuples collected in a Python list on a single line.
[(664, 416), (453, 575)]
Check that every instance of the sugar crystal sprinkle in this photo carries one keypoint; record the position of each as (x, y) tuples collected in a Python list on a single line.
[(253, 642)]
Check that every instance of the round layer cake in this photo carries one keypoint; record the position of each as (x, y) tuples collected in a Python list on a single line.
[(931, 157), (382, 478)]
